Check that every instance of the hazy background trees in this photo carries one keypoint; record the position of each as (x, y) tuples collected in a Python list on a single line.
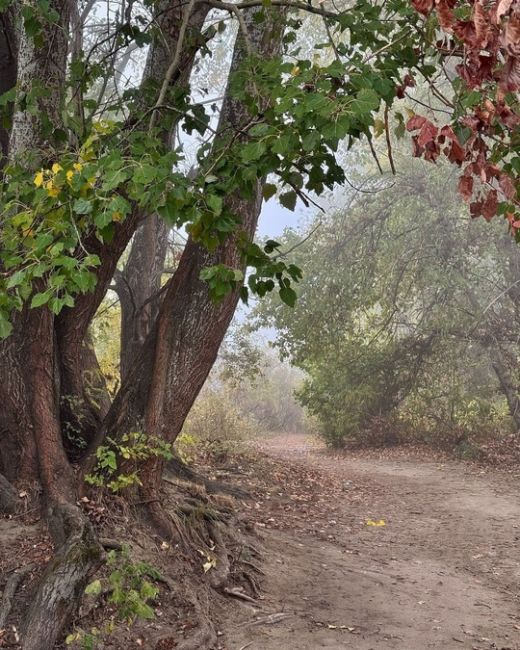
[(406, 323)]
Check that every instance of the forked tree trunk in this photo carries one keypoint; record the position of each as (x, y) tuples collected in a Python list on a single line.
[(174, 362), (77, 363), (191, 326)]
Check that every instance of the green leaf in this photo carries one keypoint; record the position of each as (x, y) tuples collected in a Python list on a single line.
[(214, 203), (15, 279), (288, 296), (253, 151), (40, 299), (288, 200), (5, 327), (311, 140), (366, 101), (94, 588), (269, 190), (82, 206)]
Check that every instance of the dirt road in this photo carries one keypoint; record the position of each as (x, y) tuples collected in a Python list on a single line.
[(442, 572)]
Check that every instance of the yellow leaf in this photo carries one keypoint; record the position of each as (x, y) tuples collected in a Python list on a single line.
[(379, 128), (38, 179), (78, 166), (380, 522), (70, 175), (295, 71), (56, 168), (52, 190), (117, 216)]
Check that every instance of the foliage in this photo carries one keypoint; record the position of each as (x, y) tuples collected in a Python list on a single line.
[(481, 133), (110, 161), (118, 463), (215, 426), (401, 308), (130, 592)]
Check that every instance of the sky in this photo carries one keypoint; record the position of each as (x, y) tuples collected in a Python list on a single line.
[(274, 218)]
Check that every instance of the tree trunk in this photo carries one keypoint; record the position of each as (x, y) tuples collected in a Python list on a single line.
[(77, 360), (191, 326), (8, 64), (82, 410), (18, 459), (29, 359), (138, 289)]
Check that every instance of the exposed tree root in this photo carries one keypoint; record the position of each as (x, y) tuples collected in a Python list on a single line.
[(59, 593), (178, 469), (237, 593), (219, 576), (10, 590)]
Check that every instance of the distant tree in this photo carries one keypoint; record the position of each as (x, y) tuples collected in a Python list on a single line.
[(403, 300)]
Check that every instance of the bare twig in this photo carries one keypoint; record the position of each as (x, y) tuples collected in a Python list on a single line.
[(174, 65), (374, 154), (389, 142), (292, 4)]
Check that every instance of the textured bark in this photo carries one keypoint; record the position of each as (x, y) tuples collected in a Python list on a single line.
[(24, 422), (78, 555), (41, 372), (190, 325), (30, 368), (138, 289), (8, 65), (46, 64), (18, 459)]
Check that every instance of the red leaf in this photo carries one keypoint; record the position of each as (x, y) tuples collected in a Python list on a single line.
[(423, 6), (507, 186), (503, 8), (415, 123), (489, 207), (475, 209), (446, 15), (466, 187), (482, 25), (417, 151), (428, 133), (457, 154), (432, 151), (510, 74), (447, 131)]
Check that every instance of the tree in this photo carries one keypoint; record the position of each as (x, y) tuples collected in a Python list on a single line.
[(402, 299), (88, 165)]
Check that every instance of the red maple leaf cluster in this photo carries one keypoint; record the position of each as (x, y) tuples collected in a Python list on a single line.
[(487, 45)]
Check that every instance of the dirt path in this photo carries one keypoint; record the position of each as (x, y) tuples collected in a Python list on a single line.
[(443, 572)]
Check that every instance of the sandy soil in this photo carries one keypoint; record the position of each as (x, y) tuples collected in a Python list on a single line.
[(443, 572)]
